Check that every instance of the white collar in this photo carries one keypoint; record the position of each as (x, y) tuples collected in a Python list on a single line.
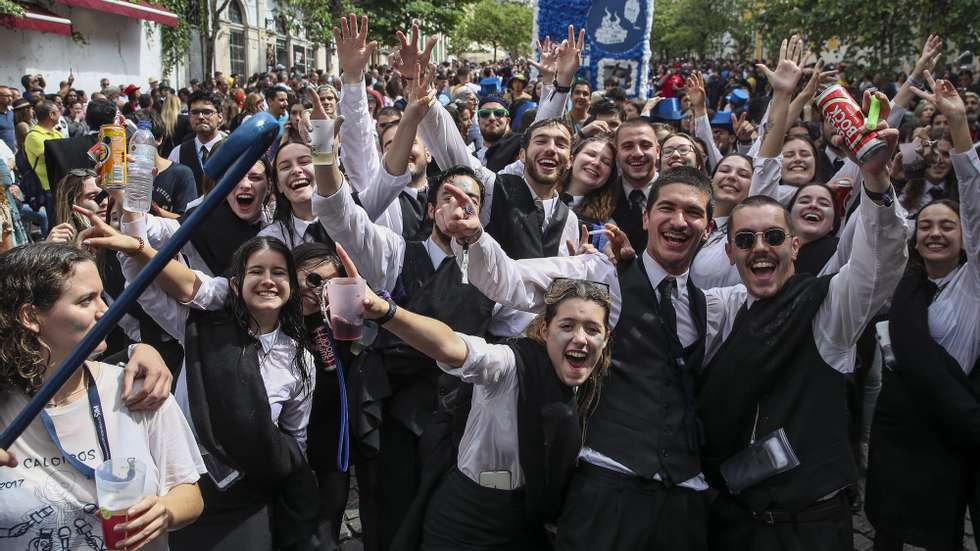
[(627, 187), (209, 145), (300, 226), (656, 274), (268, 340), (436, 254)]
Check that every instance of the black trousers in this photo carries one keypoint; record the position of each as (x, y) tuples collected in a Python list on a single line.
[(826, 526), (233, 520), (464, 516), (616, 512)]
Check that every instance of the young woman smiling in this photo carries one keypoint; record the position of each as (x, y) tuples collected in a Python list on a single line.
[(921, 469), (255, 316)]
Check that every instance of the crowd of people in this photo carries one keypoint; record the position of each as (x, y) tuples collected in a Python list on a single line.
[(591, 322)]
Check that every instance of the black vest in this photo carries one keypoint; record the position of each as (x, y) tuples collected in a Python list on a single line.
[(646, 419), (514, 222), (435, 293), (925, 421), (231, 417), (549, 434), (415, 225), (770, 364), (629, 220), (188, 157)]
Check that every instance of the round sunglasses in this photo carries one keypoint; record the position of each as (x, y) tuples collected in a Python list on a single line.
[(773, 237)]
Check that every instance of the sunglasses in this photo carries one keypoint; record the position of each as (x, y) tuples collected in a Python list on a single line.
[(561, 285), (499, 113), (82, 173), (773, 237), (314, 280)]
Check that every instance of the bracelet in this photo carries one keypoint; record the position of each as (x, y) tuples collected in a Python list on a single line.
[(467, 241), (884, 199), (138, 249), (392, 308), (560, 89)]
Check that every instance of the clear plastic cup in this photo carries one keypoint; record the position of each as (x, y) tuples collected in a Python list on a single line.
[(119, 486), (346, 298)]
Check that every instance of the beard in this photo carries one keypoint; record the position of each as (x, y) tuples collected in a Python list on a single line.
[(551, 179), (418, 168), (494, 134)]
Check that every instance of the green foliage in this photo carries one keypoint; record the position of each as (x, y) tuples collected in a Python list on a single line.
[(873, 35), (500, 24), (174, 41), (390, 16), (7, 7)]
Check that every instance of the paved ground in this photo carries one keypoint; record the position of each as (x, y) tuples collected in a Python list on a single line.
[(863, 531)]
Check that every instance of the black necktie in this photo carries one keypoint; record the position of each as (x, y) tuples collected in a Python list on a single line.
[(316, 231), (932, 290), (838, 164), (937, 192), (539, 212), (666, 288), (204, 155), (636, 200), (423, 195)]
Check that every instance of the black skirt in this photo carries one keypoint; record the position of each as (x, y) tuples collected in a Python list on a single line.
[(464, 516)]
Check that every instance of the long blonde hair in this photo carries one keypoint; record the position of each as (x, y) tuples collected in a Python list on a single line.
[(168, 114), (67, 194)]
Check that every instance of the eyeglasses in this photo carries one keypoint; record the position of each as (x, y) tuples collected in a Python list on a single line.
[(314, 280), (773, 237), (202, 112), (386, 125), (681, 150), (499, 113)]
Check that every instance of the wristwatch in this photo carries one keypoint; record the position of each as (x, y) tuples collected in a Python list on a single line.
[(392, 308), (884, 199), (560, 89)]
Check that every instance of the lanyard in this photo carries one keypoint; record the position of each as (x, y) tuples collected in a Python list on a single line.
[(343, 438), (95, 409)]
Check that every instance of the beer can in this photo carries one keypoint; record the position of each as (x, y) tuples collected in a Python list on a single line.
[(838, 107), (112, 145)]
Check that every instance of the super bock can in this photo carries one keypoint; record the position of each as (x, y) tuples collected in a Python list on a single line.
[(838, 107)]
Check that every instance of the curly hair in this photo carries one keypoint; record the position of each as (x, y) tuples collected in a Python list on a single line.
[(563, 289), (33, 274)]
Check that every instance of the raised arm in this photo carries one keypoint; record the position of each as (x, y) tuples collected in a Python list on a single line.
[(518, 284), (965, 165), (360, 151), (377, 251), (702, 125), (931, 50), (558, 64), (783, 81), (876, 263)]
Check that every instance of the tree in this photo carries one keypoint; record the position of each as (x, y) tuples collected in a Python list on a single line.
[(500, 24), (390, 16), (691, 26)]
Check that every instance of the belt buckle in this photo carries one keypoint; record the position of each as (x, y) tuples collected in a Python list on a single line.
[(765, 516)]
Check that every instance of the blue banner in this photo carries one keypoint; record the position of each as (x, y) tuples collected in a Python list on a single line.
[(617, 35)]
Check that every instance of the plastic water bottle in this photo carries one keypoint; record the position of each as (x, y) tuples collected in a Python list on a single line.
[(139, 186)]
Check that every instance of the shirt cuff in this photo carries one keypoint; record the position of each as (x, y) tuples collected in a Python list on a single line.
[(334, 205), (136, 228), (966, 165)]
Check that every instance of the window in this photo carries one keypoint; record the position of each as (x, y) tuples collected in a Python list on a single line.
[(299, 57), (235, 14), (282, 53), (236, 43)]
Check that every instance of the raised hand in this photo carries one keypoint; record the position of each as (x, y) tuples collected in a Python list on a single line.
[(419, 93), (818, 77), (744, 129), (569, 56), (944, 96), (585, 246), (548, 53), (787, 74), (875, 168), (596, 128), (694, 86), (374, 306), (408, 50), (458, 217), (353, 50), (931, 51), (103, 236)]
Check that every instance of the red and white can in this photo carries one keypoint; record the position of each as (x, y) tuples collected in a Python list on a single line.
[(838, 107)]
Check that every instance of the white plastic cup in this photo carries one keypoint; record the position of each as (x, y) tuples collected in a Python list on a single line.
[(119, 486), (346, 298)]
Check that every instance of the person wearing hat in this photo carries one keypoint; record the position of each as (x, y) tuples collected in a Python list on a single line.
[(515, 89), (668, 111), (723, 132), (132, 92), (500, 146)]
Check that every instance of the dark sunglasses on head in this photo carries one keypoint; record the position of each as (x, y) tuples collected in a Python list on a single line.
[(773, 237), (499, 113), (82, 173)]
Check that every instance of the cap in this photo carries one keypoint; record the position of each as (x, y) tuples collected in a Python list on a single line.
[(738, 97), (21, 103), (130, 89), (668, 109), (493, 99), (722, 119)]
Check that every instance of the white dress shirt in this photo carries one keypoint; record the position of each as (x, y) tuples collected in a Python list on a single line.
[(379, 253), (377, 189), (954, 315), (446, 145), (856, 293), (175, 153), (490, 441), (289, 399), (299, 235)]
